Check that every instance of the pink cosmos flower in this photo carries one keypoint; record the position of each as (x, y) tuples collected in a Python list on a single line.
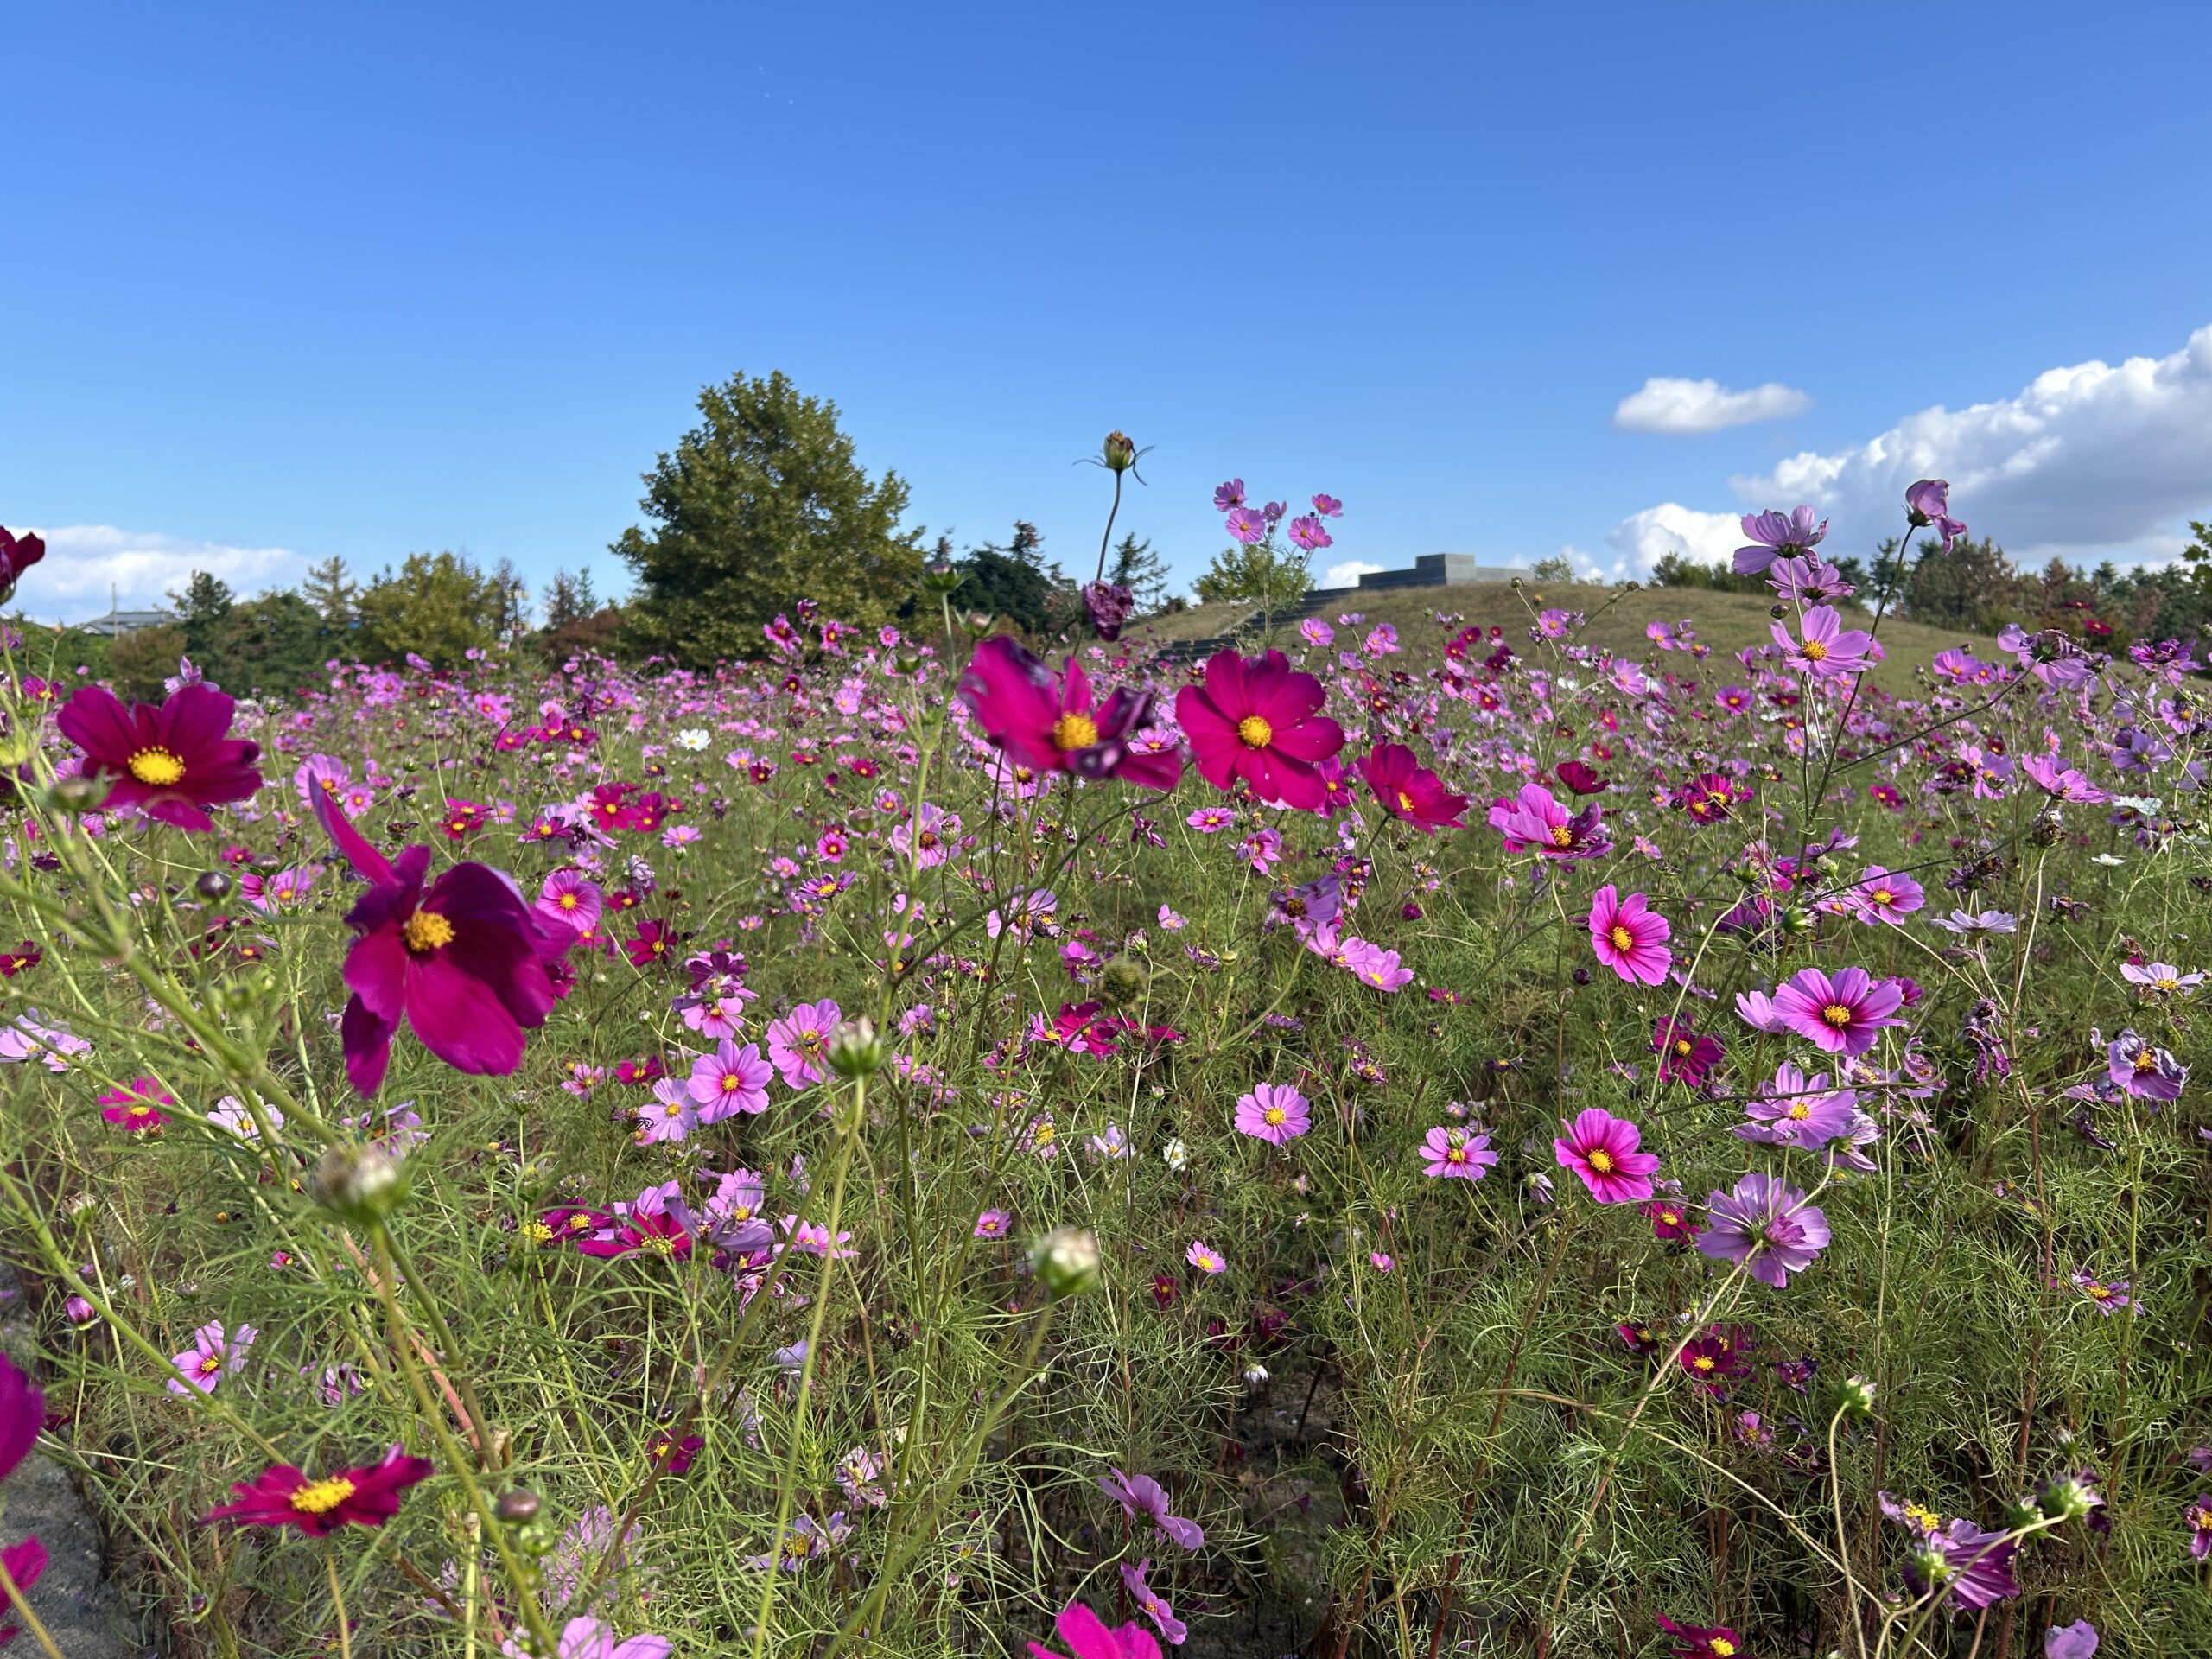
[(1152, 1604), (730, 1080), (1206, 1259), (1778, 534), (570, 897), (1049, 724), (1373, 965), (799, 1042), (1826, 649), (1844, 1014), (1143, 1496), (1630, 938), (138, 1110), (214, 1355), (671, 1115), (1258, 719), (590, 1638), (1534, 821), (1274, 1113), (1882, 896), (1087, 1637), (1603, 1150), (1457, 1153), (1408, 789)]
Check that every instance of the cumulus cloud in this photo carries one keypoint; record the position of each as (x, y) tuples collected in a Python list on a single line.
[(85, 563), (1348, 574), (2087, 461), (1678, 406), (1642, 539)]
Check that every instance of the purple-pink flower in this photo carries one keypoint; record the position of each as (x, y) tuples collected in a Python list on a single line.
[(1457, 1153), (1764, 1226), (799, 1042), (730, 1080), (1140, 1496), (1824, 648), (1534, 821), (1274, 1112), (1630, 938), (1603, 1150), (1844, 1014), (1777, 536)]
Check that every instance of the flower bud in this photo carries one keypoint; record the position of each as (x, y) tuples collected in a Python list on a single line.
[(907, 660), (2019, 1514), (360, 1183), (1854, 1397), (517, 1506), (2069, 1498), (1777, 612), (978, 623), (941, 576), (1793, 920), (856, 1052), (2045, 830), (78, 794), (1119, 453), (1067, 1262), (1123, 982), (1582, 976), (213, 884)]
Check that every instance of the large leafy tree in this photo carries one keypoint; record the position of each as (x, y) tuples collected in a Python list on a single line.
[(438, 605), (759, 506)]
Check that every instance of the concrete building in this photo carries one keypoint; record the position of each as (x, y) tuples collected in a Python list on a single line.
[(1439, 570)]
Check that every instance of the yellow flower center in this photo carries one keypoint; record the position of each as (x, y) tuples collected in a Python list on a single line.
[(1074, 731), (426, 931), (320, 1496), (1799, 1111), (1702, 1362), (1562, 836), (156, 767), (1255, 733), (732, 1083), (538, 1232), (1815, 652), (1884, 896), (2166, 982), (210, 1364), (1836, 1014), (1722, 1648), (1622, 939), (1602, 1161), (674, 1108), (1405, 802), (1276, 1116), (2099, 1292), (567, 901)]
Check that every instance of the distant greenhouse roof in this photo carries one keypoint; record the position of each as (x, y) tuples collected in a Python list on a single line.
[(115, 624)]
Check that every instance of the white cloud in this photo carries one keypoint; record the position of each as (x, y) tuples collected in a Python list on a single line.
[(2085, 462), (1348, 574), (84, 562), (1677, 406), (1642, 539)]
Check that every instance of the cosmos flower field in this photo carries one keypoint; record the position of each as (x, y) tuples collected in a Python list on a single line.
[(1394, 1140)]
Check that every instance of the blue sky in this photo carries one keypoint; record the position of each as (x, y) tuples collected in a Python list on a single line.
[(290, 281)]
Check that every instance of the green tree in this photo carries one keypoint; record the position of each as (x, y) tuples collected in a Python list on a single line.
[(438, 605), (759, 506), (1265, 573), (1973, 586), (568, 598), (333, 593), (272, 645), (1143, 572), (139, 664), (1012, 581), (203, 611)]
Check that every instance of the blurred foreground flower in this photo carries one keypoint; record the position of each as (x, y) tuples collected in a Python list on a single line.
[(171, 762)]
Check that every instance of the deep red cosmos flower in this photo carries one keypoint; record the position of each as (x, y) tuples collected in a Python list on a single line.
[(17, 555), (284, 1496), (1702, 1641), (1052, 724), (1257, 719), (171, 763), (1409, 789), (466, 960)]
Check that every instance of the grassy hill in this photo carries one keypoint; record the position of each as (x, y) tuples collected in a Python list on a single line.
[(1727, 622)]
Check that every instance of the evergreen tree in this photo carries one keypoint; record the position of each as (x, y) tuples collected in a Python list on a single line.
[(333, 593), (1012, 582), (272, 645), (1143, 572), (568, 598), (759, 506)]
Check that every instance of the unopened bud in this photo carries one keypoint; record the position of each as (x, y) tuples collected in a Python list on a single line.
[(1793, 920), (978, 623), (517, 1506), (213, 884), (1119, 453), (1124, 981), (2069, 1498), (2019, 1514), (940, 576), (856, 1052), (1854, 1397), (907, 660), (2045, 830), (1777, 612), (1066, 1262), (78, 794), (361, 1183)]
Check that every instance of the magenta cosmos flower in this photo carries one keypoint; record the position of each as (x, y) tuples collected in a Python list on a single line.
[(1274, 1113), (1603, 1150), (284, 1496), (1140, 1496), (1928, 503), (1087, 1637), (1258, 719), (1824, 649), (1841, 1016), (1052, 724), (465, 960), (1777, 536), (1534, 821), (1764, 1226), (730, 1080), (1409, 789), (1630, 938), (170, 763)]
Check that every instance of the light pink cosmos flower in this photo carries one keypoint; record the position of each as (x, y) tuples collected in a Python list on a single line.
[(1457, 1153), (1206, 1259), (1274, 1113), (799, 1042), (590, 1638), (1884, 896), (214, 1355), (1630, 938), (1374, 966), (1140, 1495), (1603, 1150), (1826, 649), (570, 897), (730, 1080), (670, 1115)]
